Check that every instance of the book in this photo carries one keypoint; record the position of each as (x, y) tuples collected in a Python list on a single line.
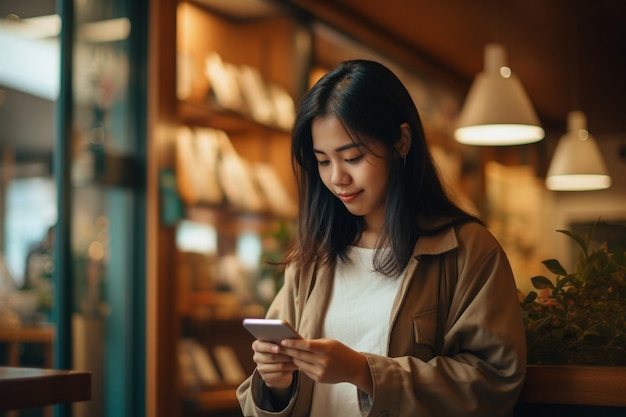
[(197, 154), (229, 364)]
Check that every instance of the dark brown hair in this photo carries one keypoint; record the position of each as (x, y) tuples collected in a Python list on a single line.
[(371, 103)]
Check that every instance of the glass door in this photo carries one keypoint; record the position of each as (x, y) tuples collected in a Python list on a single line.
[(72, 140), (104, 317), (29, 73)]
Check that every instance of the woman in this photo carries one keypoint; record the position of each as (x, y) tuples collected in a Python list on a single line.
[(406, 304)]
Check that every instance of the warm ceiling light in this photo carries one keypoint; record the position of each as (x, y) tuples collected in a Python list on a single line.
[(577, 164), (497, 110)]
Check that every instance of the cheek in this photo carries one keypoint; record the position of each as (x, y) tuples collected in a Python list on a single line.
[(378, 178)]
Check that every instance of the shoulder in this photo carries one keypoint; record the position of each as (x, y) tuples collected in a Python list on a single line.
[(460, 235), (475, 234), (300, 277), (478, 248)]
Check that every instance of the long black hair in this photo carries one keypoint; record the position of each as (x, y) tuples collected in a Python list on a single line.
[(371, 103)]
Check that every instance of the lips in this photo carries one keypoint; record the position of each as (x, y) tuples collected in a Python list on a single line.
[(348, 197)]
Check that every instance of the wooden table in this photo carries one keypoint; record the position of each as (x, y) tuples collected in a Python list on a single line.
[(34, 387), (14, 338)]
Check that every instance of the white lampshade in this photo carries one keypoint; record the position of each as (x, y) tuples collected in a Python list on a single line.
[(577, 164), (497, 110)]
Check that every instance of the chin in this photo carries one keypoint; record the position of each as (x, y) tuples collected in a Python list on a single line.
[(355, 211)]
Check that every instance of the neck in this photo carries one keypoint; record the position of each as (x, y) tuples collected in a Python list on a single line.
[(368, 238), (373, 228)]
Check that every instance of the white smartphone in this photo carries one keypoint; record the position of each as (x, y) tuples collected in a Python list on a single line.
[(270, 330)]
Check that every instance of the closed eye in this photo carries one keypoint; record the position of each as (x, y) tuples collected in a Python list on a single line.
[(323, 163), (354, 160)]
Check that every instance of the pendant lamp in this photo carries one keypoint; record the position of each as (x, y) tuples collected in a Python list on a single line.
[(577, 164), (497, 110)]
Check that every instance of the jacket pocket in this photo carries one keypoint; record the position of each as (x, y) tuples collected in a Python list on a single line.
[(425, 330)]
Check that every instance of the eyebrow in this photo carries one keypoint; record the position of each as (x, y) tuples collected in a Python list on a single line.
[(341, 148)]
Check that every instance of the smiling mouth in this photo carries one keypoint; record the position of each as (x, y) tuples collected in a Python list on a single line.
[(346, 198)]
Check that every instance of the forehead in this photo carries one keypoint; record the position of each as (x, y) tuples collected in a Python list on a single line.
[(329, 133)]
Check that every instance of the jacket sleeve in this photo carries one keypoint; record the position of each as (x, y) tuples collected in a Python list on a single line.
[(252, 394), (482, 366)]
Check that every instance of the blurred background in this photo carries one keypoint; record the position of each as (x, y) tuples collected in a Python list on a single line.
[(128, 130)]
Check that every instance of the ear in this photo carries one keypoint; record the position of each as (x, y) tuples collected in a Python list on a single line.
[(404, 144)]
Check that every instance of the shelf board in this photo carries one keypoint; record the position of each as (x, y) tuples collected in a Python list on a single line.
[(209, 113), (208, 305), (233, 220), (225, 212)]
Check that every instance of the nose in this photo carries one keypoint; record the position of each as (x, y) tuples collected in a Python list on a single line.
[(339, 175)]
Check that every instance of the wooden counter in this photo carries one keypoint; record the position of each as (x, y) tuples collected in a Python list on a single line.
[(575, 384), (32, 387)]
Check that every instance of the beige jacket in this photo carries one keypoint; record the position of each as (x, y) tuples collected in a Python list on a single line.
[(456, 342)]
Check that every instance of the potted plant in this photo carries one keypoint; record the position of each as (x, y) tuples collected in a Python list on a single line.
[(579, 317)]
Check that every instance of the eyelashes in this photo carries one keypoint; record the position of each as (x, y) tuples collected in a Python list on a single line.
[(354, 160)]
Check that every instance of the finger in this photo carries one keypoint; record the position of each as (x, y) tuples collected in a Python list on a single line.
[(277, 367), (300, 344), (292, 353), (303, 359), (259, 346), (260, 357), (305, 350)]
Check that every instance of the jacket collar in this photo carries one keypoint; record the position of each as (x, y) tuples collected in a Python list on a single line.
[(436, 244)]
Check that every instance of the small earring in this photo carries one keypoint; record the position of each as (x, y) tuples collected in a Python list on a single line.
[(404, 159)]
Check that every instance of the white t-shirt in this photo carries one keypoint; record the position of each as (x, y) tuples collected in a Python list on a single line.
[(358, 316)]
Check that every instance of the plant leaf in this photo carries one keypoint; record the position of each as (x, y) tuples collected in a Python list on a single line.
[(531, 297), (619, 256), (579, 240), (568, 279), (540, 282), (583, 319), (555, 267)]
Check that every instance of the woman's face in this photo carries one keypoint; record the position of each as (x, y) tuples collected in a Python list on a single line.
[(358, 176)]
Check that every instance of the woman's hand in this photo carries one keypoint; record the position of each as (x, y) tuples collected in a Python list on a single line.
[(329, 361), (275, 368)]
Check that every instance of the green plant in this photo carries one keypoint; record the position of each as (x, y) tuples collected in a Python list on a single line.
[(275, 244), (580, 316)]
